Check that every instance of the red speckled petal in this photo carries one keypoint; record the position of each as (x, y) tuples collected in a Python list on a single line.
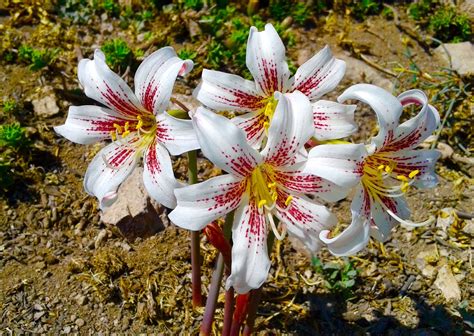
[(109, 168), (199, 204), (106, 87), (250, 262), (155, 78), (253, 126), (226, 92), (290, 128), (158, 176), (224, 144), (304, 219), (266, 60), (319, 75), (89, 123), (340, 164), (332, 120)]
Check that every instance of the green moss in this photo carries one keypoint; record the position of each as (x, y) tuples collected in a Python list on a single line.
[(9, 106), (361, 9), (419, 10), (186, 53)]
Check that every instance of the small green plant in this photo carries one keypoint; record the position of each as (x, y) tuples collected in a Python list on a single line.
[(217, 54), (117, 53), (419, 10), (9, 105), (192, 4), (111, 7), (300, 13), (186, 53), (37, 58), (448, 25), (12, 135), (339, 277), (360, 9)]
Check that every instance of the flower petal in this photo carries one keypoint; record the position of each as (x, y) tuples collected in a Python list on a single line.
[(353, 239), (158, 175), (340, 164), (333, 120), (266, 60), (177, 135), (199, 204), (319, 75), (294, 180), (109, 168), (89, 123), (290, 129), (103, 85), (387, 108), (226, 92), (413, 131), (381, 222), (304, 219), (250, 261), (224, 144), (423, 160), (155, 78), (253, 125)]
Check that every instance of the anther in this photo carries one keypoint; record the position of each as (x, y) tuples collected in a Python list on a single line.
[(288, 200), (113, 135), (380, 167), (118, 128), (413, 173), (402, 178), (261, 203)]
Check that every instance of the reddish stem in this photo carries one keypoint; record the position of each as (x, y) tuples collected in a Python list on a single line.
[(252, 311), (211, 302), (228, 311), (196, 269)]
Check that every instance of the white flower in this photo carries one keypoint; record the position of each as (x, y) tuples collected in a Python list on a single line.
[(137, 124), (259, 185), (266, 61), (391, 165)]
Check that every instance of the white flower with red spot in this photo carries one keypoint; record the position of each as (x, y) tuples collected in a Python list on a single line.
[(266, 61), (259, 186), (390, 166), (136, 122)]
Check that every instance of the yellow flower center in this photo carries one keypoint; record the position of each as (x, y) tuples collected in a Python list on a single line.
[(269, 111), (380, 180), (144, 124)]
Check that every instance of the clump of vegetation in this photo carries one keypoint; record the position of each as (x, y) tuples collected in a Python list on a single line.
[(339, 278), (192, 4), (420, 9), (9, 106), (361, 9), (299, 11), (186, 53), (12, 135), (117, 53), (448, 25), (37, 58)]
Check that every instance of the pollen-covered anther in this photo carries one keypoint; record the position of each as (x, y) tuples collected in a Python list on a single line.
[(288, 200), (413, 173)]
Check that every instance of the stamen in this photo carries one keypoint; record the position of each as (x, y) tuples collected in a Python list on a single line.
[(388, 169), (118, 128), (274, 228), (413, 173), (124, 134), (140, 123), (402, 178), (380, 167), (127, 125), (262, 203), (113, 135), (409, 222), (288, 200)]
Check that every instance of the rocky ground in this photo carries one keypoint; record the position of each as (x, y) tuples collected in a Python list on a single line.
[(65, 267)]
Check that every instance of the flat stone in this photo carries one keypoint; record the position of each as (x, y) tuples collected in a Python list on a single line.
[(462, 57), (45, 107), (80, 322), (469, 227), (446, 218), (447, 284), (134, 213), (358, 71), (425, 260)]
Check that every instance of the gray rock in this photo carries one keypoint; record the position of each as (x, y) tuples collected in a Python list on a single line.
[(425, 259), (80, 322), (469, 227), (81, 299), (45, 107), (136, 216), (462, 57), (447, 284)]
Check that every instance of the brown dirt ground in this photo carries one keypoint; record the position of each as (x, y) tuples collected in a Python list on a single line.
[(53, 280)]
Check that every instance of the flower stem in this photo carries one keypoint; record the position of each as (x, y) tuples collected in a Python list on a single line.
[(211, 302), (228, 311), (195, 239)]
